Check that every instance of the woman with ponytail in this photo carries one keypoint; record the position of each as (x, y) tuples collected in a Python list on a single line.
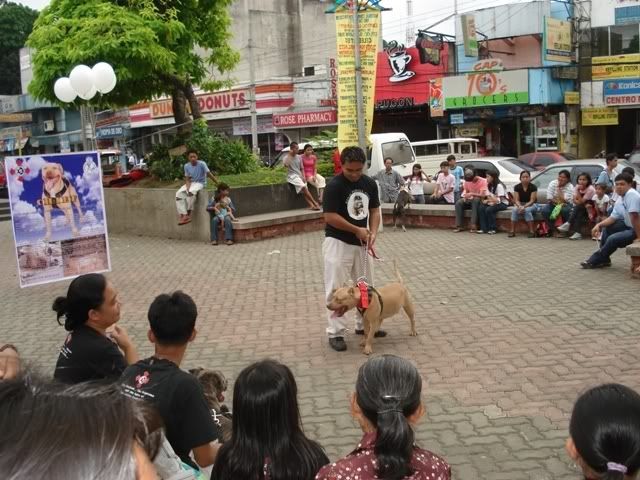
[(91, 310), (605, 433), (387, 405)]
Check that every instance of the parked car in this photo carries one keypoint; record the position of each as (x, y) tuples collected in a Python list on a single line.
[(507, 167), (541, 160), (593, 167), (634, 157)]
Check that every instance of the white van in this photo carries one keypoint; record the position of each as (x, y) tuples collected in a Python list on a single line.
[(390, 145), (431, 153)]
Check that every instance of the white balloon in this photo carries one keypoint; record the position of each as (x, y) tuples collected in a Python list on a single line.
[(90, 94), (103, 77), (81, 79), (64, 91)]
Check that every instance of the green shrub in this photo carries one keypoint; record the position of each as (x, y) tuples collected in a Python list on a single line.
[(325, 169), (222, 156), (164, 166)]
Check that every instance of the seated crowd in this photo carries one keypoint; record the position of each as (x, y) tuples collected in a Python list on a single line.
[(110, 415)]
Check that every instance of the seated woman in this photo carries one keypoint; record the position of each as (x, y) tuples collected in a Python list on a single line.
[(583, 194), (604, 433), (267, 440), (416, 184), (475, 189), (310, 167), (495, 201), (91, 310), (525, 196), (56, 431), (387, 404), (295, 175), (560, 195)]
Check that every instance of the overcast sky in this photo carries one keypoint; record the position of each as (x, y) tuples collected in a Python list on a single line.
[(394, 22)]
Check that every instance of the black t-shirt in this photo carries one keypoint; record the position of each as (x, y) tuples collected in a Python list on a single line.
[(88, 355), (352, 201), (178, 398), (525, 196)]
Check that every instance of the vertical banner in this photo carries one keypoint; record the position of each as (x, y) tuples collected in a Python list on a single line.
[(369, 23), (58, 216), (436, 99), (556, 42), (469, 36)]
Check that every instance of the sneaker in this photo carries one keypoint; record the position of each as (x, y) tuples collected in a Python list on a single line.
[(576, 236), (492, 232), (378, 334), (215, 242), (479, 231), (588, 265), (564, 227), (337, 343)]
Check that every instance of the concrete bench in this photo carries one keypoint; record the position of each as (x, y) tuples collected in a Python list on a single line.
[(633, 251), (276, 224)]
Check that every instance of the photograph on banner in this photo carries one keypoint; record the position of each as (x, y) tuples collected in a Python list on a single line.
[(58, 216)]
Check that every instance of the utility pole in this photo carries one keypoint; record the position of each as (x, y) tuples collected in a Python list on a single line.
[(252, 98), (410, 24), (362, 138)]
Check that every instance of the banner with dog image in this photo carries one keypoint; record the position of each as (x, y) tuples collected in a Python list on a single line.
[(57, 211)]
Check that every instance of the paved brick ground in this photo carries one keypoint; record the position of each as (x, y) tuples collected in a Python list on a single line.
[(511, 330)]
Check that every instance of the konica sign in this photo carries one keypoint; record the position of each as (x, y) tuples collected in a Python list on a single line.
[(622, 92)]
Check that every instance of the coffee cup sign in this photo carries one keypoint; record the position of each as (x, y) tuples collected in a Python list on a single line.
[(399, 60)]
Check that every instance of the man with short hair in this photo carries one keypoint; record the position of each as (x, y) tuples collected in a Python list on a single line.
[(195, 178), (390, 181), (607, 176), (458, 174), (177, 395), (352, 216), (616, 234)]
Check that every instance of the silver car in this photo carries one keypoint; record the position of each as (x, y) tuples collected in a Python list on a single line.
[(575, 167)]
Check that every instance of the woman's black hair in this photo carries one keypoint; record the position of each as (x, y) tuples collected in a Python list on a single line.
[(72, 432), (585, 174), (416, 165), (85, 293), (307, 146), (523, 172), (267, 428), (493, 186), (388, 391), (605, 429), (565, 173)]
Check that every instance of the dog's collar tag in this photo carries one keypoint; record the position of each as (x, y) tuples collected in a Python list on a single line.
[(364, 295)]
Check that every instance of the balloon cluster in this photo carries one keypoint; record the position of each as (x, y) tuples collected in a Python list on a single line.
[(85, 82)]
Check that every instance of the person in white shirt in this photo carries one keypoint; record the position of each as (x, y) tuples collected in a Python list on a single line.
[(495, 201), (615, 235), (416, 184), (559, 192)]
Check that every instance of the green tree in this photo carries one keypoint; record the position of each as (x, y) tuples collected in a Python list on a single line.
[(16, 23), (152, 44)]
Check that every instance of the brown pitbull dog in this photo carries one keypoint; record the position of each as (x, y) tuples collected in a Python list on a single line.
[(383, 302)]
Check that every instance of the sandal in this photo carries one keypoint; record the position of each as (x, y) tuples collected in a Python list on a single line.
[(511, 234), (457, 230), (229, 242)]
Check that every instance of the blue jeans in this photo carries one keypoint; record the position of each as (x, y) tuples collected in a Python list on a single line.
[(565, 213), (228, 228), (456, 196), (529, 212), (612, 242), (619, 226), (419, 199), (487, 214)]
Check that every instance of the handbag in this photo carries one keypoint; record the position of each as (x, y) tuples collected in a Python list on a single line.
[(555, 213)]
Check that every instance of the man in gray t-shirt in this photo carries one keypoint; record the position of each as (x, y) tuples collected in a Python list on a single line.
[(390, 182), (195, 179)]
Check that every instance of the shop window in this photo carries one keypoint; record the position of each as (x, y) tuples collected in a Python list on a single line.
[(624, 39), (600, 41)]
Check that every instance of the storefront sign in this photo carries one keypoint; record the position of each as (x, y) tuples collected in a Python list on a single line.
[(491, 65), (436, 99), (242, 126), (15, 117), (429, 49), (8, 103), (599, 116), (304, 119), (614, 66), (369, 23), (556, 40), (469, 131), (486, 89), (572, 98), (456, 118), (396, 88), (109, 132), (469, 35), (627, 15), (208, 102), (622, 92)]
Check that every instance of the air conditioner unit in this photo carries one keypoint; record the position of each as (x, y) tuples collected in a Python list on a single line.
[(49, 126)]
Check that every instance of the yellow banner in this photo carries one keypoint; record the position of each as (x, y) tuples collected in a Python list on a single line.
[(592, 117), (369, 23), (604, 72), (557, 40), (572, 98), (627, 58)]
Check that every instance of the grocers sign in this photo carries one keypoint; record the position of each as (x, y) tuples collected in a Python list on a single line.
[(486, 88), (622, 92)]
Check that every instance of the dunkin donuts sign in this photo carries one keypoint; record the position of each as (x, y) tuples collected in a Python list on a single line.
[(209, 102)]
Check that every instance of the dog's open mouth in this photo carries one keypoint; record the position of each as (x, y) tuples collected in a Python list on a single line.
[(339, 312)]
